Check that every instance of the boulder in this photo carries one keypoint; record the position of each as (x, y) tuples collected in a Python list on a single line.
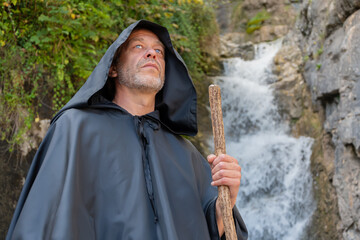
[(231, 46), (289, 85), (269, 32)]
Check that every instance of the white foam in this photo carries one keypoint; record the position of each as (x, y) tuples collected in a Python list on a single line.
[(275, 197)]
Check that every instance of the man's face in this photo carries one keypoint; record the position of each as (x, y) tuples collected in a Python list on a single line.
[(141, 64)]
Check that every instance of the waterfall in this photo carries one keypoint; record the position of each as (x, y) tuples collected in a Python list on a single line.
[(275, 197)]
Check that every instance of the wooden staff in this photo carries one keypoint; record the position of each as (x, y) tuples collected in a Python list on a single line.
[(219, 141)]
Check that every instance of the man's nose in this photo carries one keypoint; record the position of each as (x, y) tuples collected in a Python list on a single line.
[(151, 53)]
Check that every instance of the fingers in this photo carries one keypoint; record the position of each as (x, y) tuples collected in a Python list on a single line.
[(224, 158), (212, 159), (225, 166), (224, 176), (229, 176), (224, 169), (225, 162), (230, 182), (226, 172)]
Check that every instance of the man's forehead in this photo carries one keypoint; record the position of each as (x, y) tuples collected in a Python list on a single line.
[(140, 34)]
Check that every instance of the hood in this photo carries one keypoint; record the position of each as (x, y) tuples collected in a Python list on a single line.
[(176, 102)]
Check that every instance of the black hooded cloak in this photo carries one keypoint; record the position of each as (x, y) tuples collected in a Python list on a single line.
[(102, 173)]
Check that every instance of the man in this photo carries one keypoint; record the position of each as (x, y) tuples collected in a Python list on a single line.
[(113, 164)]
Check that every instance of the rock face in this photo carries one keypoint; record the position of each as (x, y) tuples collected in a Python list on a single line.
[(318, 91), (12, 178), (270, 19), (327, 36), (229, 47), (290, 84), (14, 167), (333, 76), (295, 104)]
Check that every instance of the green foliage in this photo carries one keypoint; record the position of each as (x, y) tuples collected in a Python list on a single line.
[(319, 51), (50, 47), (256, 22), (306, 58)]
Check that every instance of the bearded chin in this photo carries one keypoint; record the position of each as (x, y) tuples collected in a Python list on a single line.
[(148, 83), (142, 83)]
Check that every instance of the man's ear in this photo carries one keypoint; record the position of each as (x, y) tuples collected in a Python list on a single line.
[(112, 72)]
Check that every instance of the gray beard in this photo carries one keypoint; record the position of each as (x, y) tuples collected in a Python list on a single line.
[(144, 84)]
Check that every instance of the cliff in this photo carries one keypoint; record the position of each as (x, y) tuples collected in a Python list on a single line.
[(329, 39), (317, 90)]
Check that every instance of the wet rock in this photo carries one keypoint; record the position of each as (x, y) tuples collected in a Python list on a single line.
[(231, 46)]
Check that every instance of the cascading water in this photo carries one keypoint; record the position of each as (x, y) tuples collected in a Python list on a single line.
[(275, 197)]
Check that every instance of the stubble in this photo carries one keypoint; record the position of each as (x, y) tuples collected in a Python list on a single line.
[(133, 78)]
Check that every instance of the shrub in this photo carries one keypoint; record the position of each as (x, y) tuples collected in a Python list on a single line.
[(50, 47)]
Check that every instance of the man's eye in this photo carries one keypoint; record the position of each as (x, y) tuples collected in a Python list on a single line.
[(138, 46), (158, 51)]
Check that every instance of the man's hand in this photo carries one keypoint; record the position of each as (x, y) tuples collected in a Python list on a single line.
[(225, 171)]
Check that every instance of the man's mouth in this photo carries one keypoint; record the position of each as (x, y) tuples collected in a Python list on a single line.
[(150, 64)]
